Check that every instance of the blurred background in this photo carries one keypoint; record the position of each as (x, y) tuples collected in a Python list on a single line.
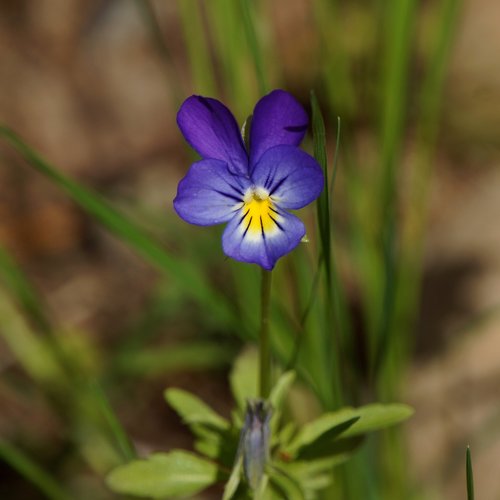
[(93, 319)]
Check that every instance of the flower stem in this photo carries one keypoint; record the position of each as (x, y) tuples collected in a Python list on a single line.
[(264, 342)]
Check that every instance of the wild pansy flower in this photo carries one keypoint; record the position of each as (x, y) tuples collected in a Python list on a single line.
[(250, 190)]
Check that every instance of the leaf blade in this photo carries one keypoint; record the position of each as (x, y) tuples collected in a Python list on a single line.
[(164, 475), (193, 410)]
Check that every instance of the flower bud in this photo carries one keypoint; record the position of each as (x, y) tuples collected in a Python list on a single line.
[(255, 440)]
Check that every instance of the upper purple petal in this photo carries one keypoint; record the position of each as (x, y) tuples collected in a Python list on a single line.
[(278, 118), (209, 193), (292, 178), (210, 128)]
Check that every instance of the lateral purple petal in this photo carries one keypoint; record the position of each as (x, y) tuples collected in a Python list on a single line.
[(209, 194), (210, 128), (292, 178), (278, 118), (262, 249)]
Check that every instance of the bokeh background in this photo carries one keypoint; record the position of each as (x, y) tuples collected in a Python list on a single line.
[(93, 86)]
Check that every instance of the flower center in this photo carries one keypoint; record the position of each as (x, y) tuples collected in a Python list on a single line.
[(259, 215)]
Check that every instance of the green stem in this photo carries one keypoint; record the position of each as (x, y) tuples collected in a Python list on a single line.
[(264, 343)]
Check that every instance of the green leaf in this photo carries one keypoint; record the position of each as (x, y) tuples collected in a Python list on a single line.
[(208, 442), (244, 378), (374, 417), (193, 410), (326, 427), (277, 399), (164, 475), (313, 475), (315, 437), (280, 389), (470, 477), (331, 448), (286, 484), (234, 479)]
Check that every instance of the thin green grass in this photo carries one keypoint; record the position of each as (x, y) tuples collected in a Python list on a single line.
[(469, 475), (182, 273), (19, 287), (253, 45), (33, 472), (115, 428), (332, 350), (195, 38)]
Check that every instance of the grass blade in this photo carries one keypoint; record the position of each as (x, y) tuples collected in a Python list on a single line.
[(114, 425), (25, 466), (202, 73), (323, 203), (470, 478), (182, 273), (397, 53), (32, 351), (19, 287), (224, 24), (331, 343), (253, 44)]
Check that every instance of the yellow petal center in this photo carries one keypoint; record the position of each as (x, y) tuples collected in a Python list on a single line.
[(259, 215)]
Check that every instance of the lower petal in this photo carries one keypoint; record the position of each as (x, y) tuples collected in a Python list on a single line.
[(262, 244)]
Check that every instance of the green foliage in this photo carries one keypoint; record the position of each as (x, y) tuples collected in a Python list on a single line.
[(301, 462), (178, 473)]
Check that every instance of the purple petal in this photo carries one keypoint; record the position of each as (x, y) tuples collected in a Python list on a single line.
[(291, 177), (209, 193), (210, 128), (247, 242), (277, 119)]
